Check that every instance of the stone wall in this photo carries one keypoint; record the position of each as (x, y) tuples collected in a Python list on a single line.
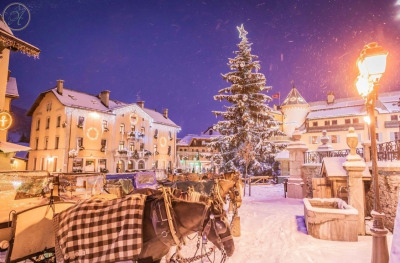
[(389, 186), (309, 171)]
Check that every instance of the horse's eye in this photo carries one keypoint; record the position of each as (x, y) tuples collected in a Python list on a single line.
[(237, 193), (221, 227)]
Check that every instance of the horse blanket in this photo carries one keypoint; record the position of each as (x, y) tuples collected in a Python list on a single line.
[(100, 231)]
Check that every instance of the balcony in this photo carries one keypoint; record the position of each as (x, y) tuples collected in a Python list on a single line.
[(342, 127)]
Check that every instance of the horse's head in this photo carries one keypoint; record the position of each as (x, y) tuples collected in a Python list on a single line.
[(218, 231), (232, 187)]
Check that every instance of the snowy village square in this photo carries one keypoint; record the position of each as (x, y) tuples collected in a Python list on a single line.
[(262, 131)]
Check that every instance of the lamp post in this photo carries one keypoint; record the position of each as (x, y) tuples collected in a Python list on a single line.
[(372, 65)]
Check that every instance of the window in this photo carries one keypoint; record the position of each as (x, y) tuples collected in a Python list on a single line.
[(122, 128), (169, 150), (58, 121), (133, 128), (376, 122), (34, 164), (394, 118), (347, 121), (314, 139), (121, 145), (327, 123), (155, 133), (141, 165), (142, 146), (155, 149), (55, 165), (102, 164), (315, 124), (47, 122), (56, 142), (105, 125), (334, 139), (48, 107), (37, 124), (81, 120), (355, 120), (46, 142), (170, 136), (334, 122), (77, 165), (142, 130), (132, 147), (36, 143), (103, 143), (130, 165), (79, 142)]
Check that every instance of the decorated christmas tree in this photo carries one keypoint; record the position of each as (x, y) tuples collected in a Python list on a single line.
[(247, 123)]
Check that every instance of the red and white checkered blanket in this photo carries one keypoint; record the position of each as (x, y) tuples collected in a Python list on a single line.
[(100, 231)]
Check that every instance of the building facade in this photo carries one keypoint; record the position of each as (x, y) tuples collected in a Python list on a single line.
[(193, 154), (337, 115), (9, 92), (74, 131)]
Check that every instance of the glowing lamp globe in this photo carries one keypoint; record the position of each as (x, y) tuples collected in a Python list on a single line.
[(372, 61), (364, 87), (367, 120)]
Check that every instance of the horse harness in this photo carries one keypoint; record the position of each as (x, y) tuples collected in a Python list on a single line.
[(164, 225)]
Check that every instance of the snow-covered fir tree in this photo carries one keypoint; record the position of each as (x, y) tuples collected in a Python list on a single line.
[(247, 123)]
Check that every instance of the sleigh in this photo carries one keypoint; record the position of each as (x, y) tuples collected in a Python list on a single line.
[(32, 234)]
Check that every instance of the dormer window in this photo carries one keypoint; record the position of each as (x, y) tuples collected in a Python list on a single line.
[(81, 120)]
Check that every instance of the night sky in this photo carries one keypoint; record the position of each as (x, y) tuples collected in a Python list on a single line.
[(171, 53)]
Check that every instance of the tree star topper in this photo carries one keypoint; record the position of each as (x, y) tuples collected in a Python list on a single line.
[(242, 32)]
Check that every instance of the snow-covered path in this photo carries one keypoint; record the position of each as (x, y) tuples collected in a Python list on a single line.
[(271, 233)]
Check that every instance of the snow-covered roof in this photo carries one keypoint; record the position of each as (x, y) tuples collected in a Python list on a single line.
[(187, 140), (82, 100), (282, 155), (12, 88), (355, 106), (8, 40), (159, 118), (333, 167), (294, 97)]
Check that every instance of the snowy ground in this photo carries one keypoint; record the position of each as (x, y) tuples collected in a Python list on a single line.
[(272, 231)]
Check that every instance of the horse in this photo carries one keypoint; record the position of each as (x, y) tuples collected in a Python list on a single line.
[(188, 218)]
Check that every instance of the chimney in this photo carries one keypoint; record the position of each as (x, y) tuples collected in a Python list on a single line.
[(60, 86), (165, 113), (330, 99), (105, 97), (140, 104), (8, 76)]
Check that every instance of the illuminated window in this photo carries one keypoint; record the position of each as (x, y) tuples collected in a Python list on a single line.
[(314, 139), (131, 165), (121, 145), (122, 128), (131, 147)]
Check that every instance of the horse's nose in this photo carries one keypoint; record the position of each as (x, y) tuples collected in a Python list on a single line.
[(229, 248)]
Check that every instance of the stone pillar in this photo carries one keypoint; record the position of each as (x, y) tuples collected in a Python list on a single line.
[(367, 150), (355, 167), (295, 185)]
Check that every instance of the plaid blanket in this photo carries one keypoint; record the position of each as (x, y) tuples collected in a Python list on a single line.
[(100, 231)]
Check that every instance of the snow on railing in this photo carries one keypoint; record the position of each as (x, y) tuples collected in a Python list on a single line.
[(318, 156), (389, 151)]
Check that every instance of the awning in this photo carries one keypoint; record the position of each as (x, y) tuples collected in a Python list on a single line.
[(8, 147)]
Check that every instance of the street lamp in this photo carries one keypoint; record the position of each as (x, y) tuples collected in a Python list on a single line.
[(371, 65)]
